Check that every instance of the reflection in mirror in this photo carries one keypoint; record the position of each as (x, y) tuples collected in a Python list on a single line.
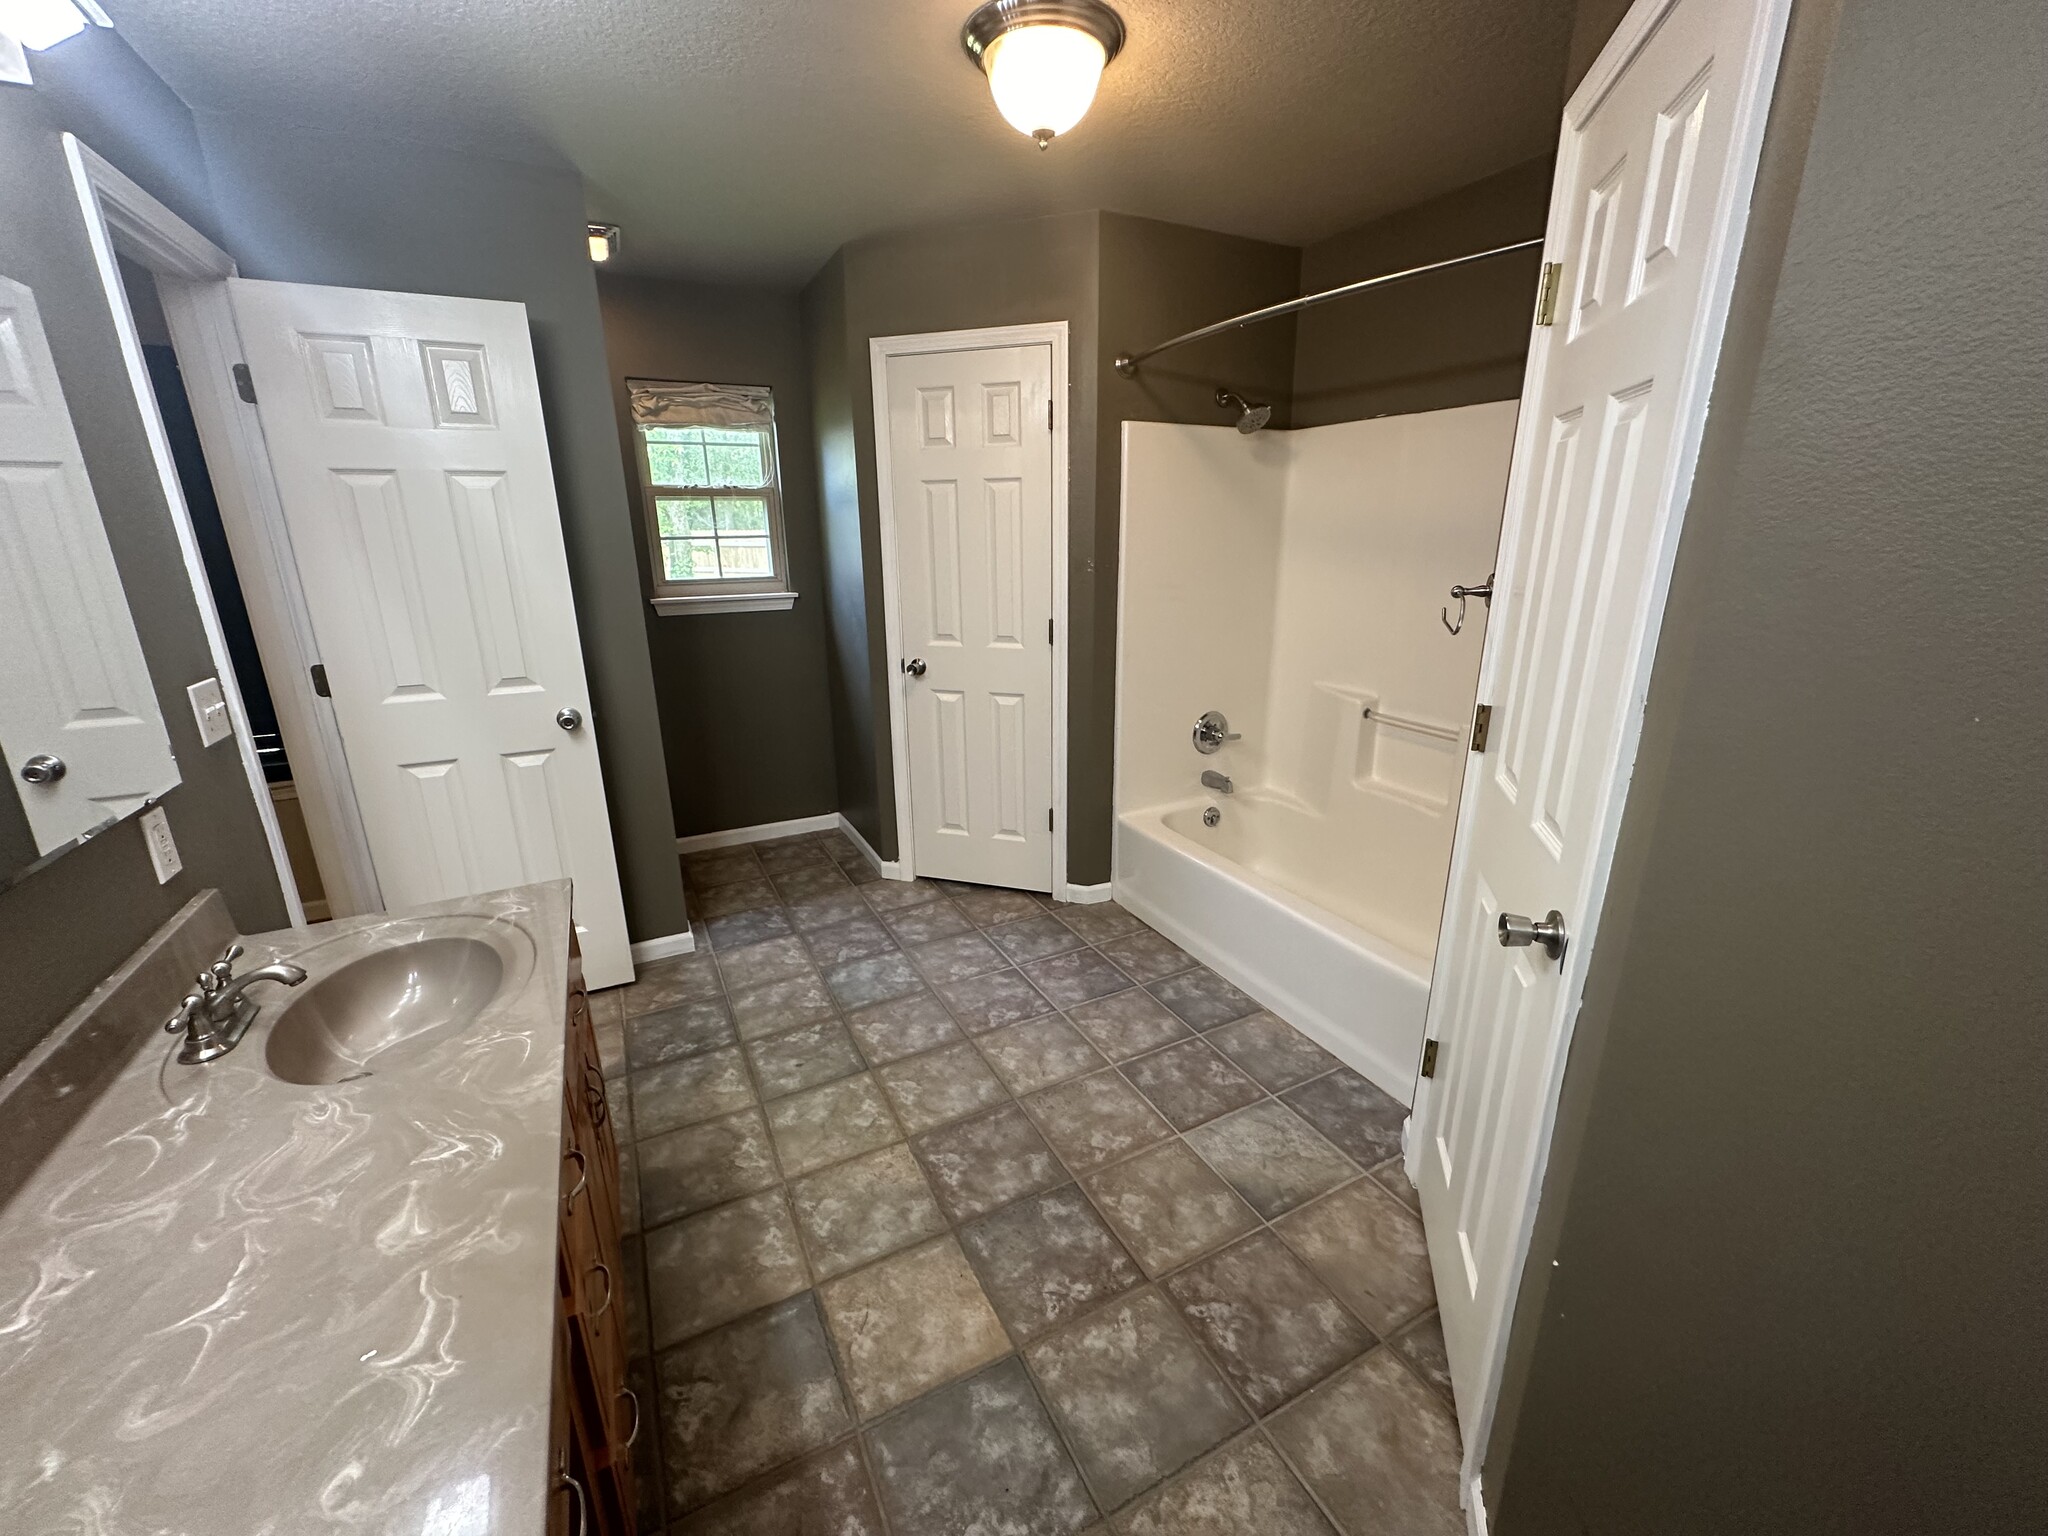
[(83, 740)]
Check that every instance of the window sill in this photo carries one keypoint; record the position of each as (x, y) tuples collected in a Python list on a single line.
[(734, 602)]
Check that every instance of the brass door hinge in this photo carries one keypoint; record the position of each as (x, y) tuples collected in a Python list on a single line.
[(1429, 1058), (1546, 293), (1482, 726)]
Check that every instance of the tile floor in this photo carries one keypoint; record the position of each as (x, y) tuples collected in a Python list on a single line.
[(954, 1209)]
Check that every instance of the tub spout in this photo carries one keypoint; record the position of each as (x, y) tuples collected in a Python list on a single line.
[(1220, 782)]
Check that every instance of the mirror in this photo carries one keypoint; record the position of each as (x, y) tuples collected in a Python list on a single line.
[(83, 740)]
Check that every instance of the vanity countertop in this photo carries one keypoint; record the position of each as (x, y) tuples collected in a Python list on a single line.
[(233, 1304)]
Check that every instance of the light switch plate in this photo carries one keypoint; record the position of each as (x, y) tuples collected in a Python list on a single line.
[(210, 708), (163, 851)]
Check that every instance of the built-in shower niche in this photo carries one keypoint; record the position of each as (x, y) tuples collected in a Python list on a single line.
[(1353, 744), (1294, 581)]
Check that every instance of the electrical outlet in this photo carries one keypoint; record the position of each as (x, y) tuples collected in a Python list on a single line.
[(210, 708), (163, 850)]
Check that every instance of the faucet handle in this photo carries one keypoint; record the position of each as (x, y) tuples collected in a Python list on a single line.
[(1212, 731), (221, 972), (187, 1010)]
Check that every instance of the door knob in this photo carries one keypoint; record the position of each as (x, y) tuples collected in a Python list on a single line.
[(568, 719), (1517, 932), (43, 769), (915, 666)]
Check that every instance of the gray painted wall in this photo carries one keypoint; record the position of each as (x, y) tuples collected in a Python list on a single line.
[(1455, 338), (1092, 270), (1159, 280), (847, 690), (950, 278), (64, 927), (746, 719), (307, 206), (1788, 1275)]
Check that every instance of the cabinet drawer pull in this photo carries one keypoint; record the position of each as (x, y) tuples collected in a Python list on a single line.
[(595, 1096), (634, 1398), (605, 1305), (582, 1175), (570, 1481)]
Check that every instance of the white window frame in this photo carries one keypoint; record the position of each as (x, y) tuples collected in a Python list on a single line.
[(716, 595)]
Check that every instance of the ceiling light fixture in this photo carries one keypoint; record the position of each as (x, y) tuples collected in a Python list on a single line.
[(1043, 59), (604, 241)]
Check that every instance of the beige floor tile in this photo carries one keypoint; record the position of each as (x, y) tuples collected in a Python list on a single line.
[(911, 1323)]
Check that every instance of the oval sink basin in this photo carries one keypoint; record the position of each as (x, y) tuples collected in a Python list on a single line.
[(334, 1031)]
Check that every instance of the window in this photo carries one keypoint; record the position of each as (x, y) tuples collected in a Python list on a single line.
[(713, 496)]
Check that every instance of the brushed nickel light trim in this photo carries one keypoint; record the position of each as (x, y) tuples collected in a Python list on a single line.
[(999, 18), (995, 18)]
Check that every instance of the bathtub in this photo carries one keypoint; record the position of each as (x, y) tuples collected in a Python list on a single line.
[(1273, 901)]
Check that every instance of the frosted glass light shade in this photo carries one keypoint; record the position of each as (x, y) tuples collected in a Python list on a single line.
[(1044, 78)]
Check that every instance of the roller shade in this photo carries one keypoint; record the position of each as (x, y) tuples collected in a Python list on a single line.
[(657, 404)]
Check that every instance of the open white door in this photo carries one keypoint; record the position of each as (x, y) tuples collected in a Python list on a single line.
[(1653, 181), (412, 463), (79, 726), (969, 464)]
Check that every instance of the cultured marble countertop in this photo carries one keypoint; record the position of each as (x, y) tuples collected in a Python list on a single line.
[(230, 1303)]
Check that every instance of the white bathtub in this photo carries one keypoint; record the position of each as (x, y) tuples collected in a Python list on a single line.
[(1272, 901)]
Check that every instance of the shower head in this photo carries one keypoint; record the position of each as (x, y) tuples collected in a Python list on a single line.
[(1249, 417)]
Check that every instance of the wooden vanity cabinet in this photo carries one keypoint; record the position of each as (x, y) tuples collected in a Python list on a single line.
[(596, 1417)]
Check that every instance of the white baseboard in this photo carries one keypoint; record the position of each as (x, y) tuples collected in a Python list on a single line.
[(733, 837), (647, 951), (888, 869), (1085, 895)]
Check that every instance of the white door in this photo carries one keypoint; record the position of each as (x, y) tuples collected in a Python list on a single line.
[(970, 466), (412, 463), (1653, 178), (74, 687)]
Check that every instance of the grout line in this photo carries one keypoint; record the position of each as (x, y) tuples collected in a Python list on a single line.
[(839, 1015)]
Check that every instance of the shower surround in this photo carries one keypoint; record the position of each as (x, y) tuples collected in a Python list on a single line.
[(1293, 580)]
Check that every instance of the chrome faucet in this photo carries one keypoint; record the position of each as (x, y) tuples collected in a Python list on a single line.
[(1211, 731), (1220, 782), (216, 1017)]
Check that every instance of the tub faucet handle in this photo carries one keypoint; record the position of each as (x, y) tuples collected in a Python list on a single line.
[(1211, 731)]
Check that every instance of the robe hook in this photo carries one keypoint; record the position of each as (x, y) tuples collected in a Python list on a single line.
[(1484, 591)]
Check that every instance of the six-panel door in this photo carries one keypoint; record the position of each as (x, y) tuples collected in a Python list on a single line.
[(412, 462), (970, 453), (74, 687), (1643, 198)]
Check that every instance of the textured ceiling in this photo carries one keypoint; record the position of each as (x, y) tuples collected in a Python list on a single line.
[(748, 139)]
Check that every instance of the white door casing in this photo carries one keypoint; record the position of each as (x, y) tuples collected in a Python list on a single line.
[(970, 458), (412, 463), (74, 684), (1654, 172)]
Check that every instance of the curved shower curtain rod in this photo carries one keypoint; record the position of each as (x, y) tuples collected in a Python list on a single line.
[(1127, 362)]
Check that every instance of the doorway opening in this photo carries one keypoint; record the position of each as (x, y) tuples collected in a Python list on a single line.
[(195, 479), (436, 578)]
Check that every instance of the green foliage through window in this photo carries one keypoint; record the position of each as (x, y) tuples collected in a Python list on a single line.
[(712, 493)]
